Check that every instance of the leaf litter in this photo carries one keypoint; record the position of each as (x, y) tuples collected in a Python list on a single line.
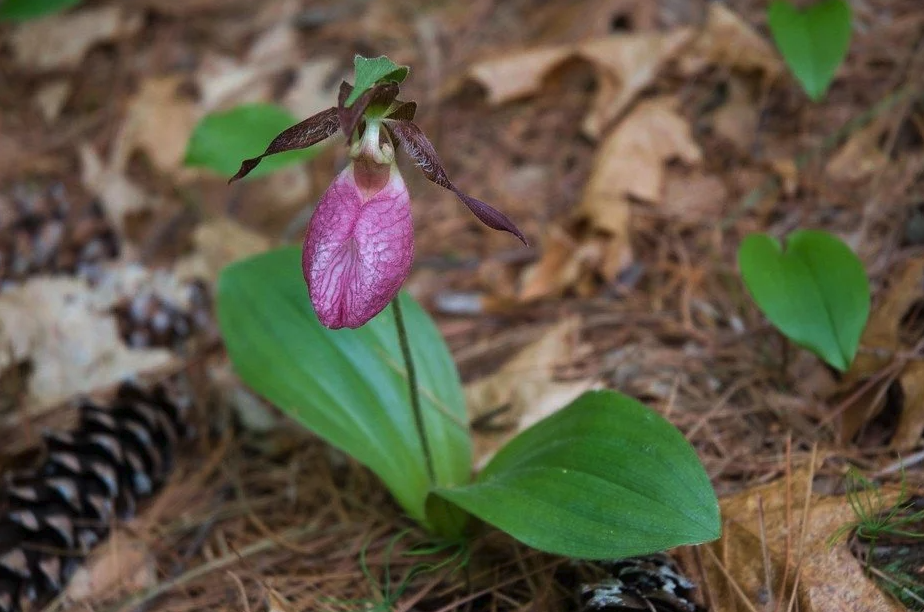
[(638, 147)]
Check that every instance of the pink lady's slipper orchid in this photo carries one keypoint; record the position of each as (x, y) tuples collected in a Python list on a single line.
[(359, 246)]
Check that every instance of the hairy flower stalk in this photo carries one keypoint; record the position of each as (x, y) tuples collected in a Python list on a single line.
[(359, 246)]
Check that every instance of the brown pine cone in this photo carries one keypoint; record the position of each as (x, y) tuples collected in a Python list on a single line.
[(52, 516), (40, 233), (637, 584), (147, 320)]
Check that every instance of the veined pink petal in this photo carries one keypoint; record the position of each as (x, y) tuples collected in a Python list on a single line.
[(358, 250)]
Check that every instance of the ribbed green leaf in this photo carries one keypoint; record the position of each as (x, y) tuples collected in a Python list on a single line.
[(816, 292), (603, 478), (348, 386)]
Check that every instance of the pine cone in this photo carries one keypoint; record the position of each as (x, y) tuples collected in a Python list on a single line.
[(52, 516), (650, 583), (41, 234), (147, 320)]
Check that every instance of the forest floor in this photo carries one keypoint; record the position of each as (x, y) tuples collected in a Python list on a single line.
[(635, 143)]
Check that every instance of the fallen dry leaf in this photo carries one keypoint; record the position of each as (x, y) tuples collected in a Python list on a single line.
[(118, 195), (695, 197), (524, 386), (218, 243), (881, 342), (630, 165), (727, 40), (736, 120), (625, 65), (123, 564), (830, 580), (861, 156), (61, 41), (225, 82), (51, 97), (66, 332), (160, 121), (313, 89)]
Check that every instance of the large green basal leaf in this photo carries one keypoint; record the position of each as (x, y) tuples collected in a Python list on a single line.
[(815, 292), (348, 386), (603, 478)]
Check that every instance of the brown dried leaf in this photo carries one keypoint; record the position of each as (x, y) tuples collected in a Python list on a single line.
[(861, 156), (219, 243), (525, 385), (225, 82), (727, 40), (61, 41), (831, 579), (160, 122), (625, 63), (118, 195), (67, 332), (52, 97), (311, 91), (695, 197), (736, 120), (880, 341), (122, 565), (910, 426)]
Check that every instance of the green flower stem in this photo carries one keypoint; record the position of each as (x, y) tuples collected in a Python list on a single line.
[(412, 385)]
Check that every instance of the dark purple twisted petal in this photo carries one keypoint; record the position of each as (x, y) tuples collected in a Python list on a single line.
[(309, 132), (382, 94), (418, 146)]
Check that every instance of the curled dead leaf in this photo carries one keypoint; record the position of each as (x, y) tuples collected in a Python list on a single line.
[(727, 40), (625, 65), (122, 565), (861, 156), (62, 41)]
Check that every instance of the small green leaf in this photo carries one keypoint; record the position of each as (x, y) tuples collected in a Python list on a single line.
[(816, 292), (221, 140), (368, 72), (348, 386), (24, 10), (813, 42), (603, 478)]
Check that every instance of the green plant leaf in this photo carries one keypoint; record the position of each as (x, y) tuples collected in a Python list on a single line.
[(24, 10), (221, 140), (813, 42), (816, 292), (603, 478), (369, 71), (349, 386)]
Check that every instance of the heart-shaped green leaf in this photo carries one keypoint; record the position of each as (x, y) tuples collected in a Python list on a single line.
[(816, 292), (23, 10), (603, 478), (349, 386), (221, 140), (813, 42), (369, 71)]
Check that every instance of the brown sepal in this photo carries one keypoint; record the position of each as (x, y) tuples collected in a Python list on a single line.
[(309, 132), (404, 111), (382, 94), (418, 146)]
